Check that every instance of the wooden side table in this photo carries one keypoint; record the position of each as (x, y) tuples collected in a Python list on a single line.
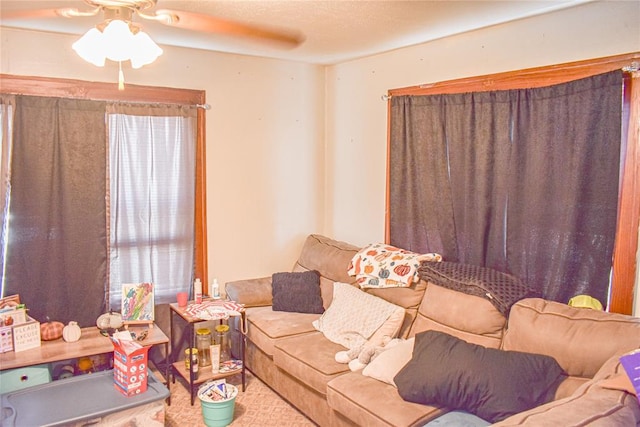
[(91, 342), (178, 366)]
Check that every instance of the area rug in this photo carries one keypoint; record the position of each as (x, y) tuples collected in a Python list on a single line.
[(258, 405)]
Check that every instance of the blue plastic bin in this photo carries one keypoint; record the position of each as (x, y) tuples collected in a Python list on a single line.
[(73, 400)]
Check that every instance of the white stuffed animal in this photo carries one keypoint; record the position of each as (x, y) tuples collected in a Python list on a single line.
[(358, 359)]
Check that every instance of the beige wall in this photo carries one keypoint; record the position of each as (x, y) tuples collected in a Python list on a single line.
[(293, 148)]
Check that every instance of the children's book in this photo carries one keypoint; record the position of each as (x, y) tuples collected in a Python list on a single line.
[(631, 364)]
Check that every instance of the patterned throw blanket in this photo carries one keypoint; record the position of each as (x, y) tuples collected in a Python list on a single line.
[(214, 309), (503, 290)]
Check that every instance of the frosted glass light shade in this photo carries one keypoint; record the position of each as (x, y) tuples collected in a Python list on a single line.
[(145, 50), (117, 43), (90, 47)]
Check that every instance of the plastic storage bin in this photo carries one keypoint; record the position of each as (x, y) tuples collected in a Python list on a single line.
[(76, 400), (19, 378)]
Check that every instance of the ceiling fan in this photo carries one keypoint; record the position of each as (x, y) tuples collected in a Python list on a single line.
[(119, 38), (125, 10)]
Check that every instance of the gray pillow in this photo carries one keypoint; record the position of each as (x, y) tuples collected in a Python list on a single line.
[(297, 292), (490, 383)]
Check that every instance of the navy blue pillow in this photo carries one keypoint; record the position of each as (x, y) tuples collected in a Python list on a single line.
[(297, 292), (490, 383)]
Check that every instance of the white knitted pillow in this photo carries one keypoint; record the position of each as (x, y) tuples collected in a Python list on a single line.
[(354, 316)]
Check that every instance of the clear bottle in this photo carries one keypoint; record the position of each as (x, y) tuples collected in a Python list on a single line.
[(197, 291), (222, 339), (203, 341), (215, 289)]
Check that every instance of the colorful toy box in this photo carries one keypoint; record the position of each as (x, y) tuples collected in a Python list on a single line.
[(130, 360)]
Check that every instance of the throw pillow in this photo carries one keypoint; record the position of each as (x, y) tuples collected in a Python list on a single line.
[(388, 363), (385, 266), (297, 292), (354, 317), (490, 383)]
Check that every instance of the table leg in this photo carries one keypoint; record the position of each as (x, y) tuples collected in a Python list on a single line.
[(167, 370), (192, 375), (243, 329)]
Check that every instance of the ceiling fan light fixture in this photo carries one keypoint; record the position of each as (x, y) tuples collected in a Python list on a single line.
[(89, 47), (118, 41), (145, 51)]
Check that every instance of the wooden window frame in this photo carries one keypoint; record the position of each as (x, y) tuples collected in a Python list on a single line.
[(98, 91), (626, 244)]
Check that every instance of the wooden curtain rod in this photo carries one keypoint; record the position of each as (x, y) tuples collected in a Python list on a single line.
[(544, 76)]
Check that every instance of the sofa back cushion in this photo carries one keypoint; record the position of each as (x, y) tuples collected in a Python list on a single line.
[(468, 317), (408, 298), (330, 258), (580, 339)]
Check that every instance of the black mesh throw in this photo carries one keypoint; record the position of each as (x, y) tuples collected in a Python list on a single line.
[(501, 289)]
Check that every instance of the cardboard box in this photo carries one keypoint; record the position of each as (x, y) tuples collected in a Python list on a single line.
[(26, 335), (20, 337), (13, 317), (6, 339), (130, 371)]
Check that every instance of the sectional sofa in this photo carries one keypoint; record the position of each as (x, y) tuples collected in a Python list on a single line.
[(288, 353)]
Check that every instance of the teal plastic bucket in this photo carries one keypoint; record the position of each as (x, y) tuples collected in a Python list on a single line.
[(218, 413)]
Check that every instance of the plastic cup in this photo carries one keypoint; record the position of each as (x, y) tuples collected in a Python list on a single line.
[(182, 299)]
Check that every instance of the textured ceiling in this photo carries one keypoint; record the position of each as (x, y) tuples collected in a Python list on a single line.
[(334, 31)]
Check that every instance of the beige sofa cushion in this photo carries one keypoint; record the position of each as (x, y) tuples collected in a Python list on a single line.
[(372, 403), (310, 359), (580, 339), (330, 258), (251, 292), (409, 298), (468, 317), (265, 326)]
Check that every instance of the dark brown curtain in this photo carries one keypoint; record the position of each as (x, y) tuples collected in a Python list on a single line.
[(524, 181), (561, 219), (57, 258)]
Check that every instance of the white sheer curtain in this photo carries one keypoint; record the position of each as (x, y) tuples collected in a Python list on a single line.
[(152, 198), (7, 104)]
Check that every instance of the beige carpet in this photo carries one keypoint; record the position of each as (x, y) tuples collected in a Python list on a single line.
[(257, 406)]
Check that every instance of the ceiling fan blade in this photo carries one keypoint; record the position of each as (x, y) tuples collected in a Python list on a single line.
[(211, 24), (67, 12), (29, 14)]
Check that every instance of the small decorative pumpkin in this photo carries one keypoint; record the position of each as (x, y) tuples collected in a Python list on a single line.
[(109, 320), (402, 269), (50, 331), (71, 332)]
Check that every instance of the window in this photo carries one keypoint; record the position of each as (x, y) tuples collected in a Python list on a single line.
[(68, 89), (624, 262), (152, 189)]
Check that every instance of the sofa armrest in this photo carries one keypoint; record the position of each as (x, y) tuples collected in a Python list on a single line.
[(250, 292), (596, 404)]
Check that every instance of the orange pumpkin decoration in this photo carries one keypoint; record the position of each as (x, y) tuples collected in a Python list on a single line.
[(50, 331), (402, 270)]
